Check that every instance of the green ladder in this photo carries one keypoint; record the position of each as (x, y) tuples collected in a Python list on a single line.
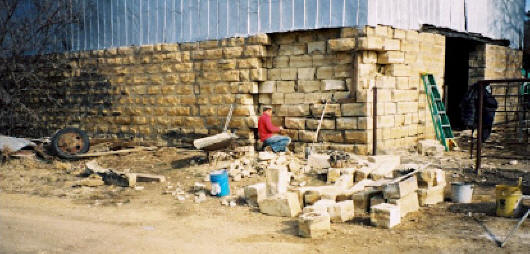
[(442, 127)]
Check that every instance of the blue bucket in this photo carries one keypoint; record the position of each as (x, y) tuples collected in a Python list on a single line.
[(219, 180)]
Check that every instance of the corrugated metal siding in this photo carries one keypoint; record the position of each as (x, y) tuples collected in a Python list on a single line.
[(113, 23), (498, 19)]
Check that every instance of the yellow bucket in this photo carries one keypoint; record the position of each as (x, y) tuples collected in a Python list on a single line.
[(508, 199)]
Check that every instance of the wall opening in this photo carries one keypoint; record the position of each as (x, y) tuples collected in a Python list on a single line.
[(464, 65)]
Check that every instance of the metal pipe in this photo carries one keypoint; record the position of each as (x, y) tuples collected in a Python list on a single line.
[(374, 129), (479, 127)]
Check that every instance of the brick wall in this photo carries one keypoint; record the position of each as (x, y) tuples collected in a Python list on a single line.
[(176, 92)]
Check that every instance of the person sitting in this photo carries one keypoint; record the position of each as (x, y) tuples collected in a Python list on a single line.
[(268, 133)]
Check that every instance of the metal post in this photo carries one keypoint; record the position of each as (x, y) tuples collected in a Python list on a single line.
[(479, 127), (374, 129)]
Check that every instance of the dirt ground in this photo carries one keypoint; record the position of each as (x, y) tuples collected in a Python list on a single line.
[(41, 213)]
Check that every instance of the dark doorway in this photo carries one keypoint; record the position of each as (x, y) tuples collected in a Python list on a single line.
[(457, 75)]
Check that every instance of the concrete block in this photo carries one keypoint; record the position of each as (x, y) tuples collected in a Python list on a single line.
[(310, 197), (341, 211), (255, 193), (333, 175), (314, 225), (285, 205), (431, 196), (401, 189), (361, 200), (385, 215), (407, 204), (277, 179)]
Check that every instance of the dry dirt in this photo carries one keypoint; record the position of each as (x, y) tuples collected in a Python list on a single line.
[(41, 213)]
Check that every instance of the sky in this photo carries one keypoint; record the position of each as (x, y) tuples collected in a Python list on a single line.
[(527, 5)]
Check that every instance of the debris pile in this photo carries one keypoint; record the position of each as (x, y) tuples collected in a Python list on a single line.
[(378, 187)]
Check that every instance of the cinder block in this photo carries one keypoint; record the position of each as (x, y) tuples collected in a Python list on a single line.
[(385, 215), (314, 225), (255, 193), (286, 205)]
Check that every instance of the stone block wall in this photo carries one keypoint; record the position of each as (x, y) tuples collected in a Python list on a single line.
[(173, 93)]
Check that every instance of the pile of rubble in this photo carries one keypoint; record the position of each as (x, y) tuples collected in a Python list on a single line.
[(375, 186)]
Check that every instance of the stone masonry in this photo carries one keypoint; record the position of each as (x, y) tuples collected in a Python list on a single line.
[(173, 93)]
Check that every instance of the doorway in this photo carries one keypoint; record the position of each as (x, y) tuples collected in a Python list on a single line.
[(464, 63)]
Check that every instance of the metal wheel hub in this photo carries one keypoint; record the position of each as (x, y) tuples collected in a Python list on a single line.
[(71, 143)]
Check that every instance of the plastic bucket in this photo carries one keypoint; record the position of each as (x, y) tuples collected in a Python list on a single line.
[(219, 181), (508, 200), (461, 192)]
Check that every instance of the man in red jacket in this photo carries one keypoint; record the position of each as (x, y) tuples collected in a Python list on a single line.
[(268, 132)]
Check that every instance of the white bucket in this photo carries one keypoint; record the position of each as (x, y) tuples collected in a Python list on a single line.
[(461, 192)]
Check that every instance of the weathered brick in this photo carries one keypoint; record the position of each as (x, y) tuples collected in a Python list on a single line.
[(249, 63), (327, 124), (278, 98), (332, 136), (258, 74)]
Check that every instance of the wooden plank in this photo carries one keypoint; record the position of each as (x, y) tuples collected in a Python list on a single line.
[(98, 154)]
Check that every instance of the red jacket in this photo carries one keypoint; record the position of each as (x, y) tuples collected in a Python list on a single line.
[(266, 128)]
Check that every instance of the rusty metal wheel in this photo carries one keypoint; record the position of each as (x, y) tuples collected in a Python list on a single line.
[(68, 142)]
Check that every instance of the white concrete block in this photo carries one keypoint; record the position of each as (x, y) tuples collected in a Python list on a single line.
[(314, 225), (254, 193)]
